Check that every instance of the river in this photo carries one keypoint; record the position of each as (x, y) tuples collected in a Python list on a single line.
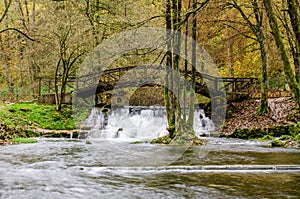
[(223, 168)]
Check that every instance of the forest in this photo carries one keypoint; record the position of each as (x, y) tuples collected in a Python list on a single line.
[(149, 98), (44, 43)]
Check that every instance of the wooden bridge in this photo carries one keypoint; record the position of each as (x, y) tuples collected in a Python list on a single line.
[(142, 76)]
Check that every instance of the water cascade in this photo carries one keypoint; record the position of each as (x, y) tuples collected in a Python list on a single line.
[(137, 123), (202, 124)]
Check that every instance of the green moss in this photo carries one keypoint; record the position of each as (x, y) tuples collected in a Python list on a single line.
[(23, 140), (138, 142), (184, 138), (286, 137), (275, 131), (162, 140), (277, 143), (245, 133), (266, 138), (241, 133)]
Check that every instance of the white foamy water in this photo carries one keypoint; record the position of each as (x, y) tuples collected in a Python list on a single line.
[(138, 123)]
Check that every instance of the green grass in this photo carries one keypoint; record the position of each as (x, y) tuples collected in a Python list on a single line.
[(3, 104), (23, 140), (36, 115)]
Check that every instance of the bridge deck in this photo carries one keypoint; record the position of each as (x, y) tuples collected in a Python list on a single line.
[(107, 79)]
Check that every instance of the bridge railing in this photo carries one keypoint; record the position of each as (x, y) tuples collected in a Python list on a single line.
[(229, 84)]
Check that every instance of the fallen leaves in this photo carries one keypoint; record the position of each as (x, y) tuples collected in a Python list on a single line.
[(244, 114)]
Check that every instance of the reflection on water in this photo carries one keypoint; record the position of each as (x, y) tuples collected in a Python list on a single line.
[(54, 168)]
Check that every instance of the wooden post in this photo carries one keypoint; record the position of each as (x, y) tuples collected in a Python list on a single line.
[(76, 85), (216, 84), (40, 86), (234, 85), (49, 86)]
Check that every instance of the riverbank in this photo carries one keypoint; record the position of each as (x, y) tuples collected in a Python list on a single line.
[(29, 119), (281, 124), (282, 121)]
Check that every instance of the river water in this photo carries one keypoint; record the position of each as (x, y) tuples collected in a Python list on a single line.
[(110, 164), (224, 168)]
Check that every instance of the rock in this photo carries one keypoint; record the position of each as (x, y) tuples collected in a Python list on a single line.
[(83, 134), (277, 143), (275, 131)]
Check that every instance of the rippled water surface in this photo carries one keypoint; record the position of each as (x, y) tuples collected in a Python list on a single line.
[(224, 168)]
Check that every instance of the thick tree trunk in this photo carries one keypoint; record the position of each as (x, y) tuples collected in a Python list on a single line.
[(264, 106), (168, 79), (7, 56), (185, 67), (260, 38), (293, 6), (289, 73), (190, 121), (179, 132), (172, 79), (176, 77)]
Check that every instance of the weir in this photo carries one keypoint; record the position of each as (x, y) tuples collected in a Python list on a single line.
[(137, 122)]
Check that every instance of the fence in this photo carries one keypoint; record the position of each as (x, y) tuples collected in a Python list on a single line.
[(43, 87)]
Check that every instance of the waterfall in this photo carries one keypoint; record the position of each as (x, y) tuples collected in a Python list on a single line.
[(202, 124), (137, 123)]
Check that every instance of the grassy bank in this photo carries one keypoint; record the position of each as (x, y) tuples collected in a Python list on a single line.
[(36, 115), (23, 120)]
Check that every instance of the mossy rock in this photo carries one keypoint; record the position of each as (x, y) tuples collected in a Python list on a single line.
[(256, 133), (244, 133), (266, 138), (138, 142), (274, 131), (277, 143), (241, 133), (286, 137), (183, 139), (294, 129), (279, 130), (162, 140), (294, 116)]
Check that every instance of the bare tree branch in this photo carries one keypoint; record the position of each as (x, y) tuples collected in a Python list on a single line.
[(19, 31), (5, 11)]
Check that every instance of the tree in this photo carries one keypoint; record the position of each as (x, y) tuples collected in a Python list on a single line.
[(70, 45), (65, 66), (178, 127), (293, 10), (194, 59), (7, 5), (257, 29), (5, 46), (287, 65)]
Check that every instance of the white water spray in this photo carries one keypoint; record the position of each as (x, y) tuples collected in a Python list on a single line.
[(141, 123)]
